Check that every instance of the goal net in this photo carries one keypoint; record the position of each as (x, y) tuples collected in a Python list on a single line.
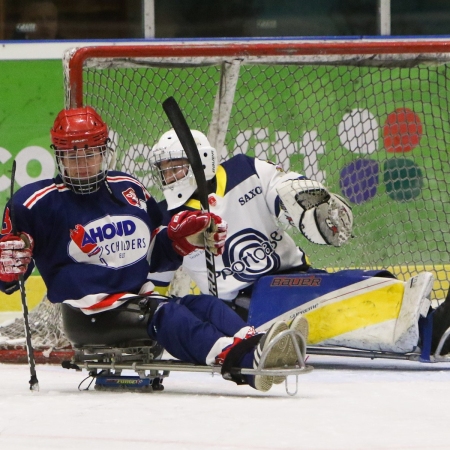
[(369, 119), (49, 342)]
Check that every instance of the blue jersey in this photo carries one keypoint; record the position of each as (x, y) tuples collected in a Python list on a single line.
[(95, 251), (88, 247)]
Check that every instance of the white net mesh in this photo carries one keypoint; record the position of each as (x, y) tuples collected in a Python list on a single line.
[(45, 325)]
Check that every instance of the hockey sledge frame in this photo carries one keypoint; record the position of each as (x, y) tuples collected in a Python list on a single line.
[(109, 362), (423, 356)]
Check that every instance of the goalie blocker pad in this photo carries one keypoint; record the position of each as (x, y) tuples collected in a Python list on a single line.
[(366, 310)]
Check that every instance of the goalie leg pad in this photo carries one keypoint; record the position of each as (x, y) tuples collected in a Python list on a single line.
[(415, 304), (350, 310)]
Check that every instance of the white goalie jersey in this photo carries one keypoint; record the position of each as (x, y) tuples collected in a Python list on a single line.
[(247, 197)]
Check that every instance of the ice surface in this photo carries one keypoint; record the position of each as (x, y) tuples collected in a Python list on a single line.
[(345, 403)]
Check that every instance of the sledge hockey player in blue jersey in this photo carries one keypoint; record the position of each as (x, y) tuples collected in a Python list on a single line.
[(94, 233), (378, 312)]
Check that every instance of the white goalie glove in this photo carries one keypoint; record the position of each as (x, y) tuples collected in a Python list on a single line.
[(322, 217)]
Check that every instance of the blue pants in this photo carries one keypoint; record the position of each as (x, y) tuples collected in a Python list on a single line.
[(188, 327)]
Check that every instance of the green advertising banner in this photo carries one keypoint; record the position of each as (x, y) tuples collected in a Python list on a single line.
[(31, 96)]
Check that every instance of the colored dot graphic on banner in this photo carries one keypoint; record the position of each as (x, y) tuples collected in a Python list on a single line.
[(359, 180), (402, 178), (402, 131)]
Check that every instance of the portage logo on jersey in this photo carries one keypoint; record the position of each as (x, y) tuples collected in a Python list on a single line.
[(132, 198), (112, 241), (248, 255)]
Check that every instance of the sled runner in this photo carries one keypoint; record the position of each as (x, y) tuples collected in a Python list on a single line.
[(106, 345), (106, 365)]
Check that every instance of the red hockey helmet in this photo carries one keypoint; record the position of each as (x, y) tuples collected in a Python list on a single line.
[(78, 128), (80, 140)]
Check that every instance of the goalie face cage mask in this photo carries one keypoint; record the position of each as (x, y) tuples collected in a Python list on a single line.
[(175, 178), (171, 170)]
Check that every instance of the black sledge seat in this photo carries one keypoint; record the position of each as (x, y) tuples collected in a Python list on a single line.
[(121, 327)]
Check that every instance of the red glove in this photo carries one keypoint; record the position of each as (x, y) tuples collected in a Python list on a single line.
[(15, 255), (188, 230)]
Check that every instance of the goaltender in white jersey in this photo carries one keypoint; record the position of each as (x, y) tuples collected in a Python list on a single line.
[(257, 199)]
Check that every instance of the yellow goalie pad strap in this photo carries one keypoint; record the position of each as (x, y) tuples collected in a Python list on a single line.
[(362, 310)]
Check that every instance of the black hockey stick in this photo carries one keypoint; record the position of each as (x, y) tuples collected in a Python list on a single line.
[(34, 383), (184, 134)]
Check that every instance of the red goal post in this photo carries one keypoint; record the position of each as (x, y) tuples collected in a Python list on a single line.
[(368, 118)]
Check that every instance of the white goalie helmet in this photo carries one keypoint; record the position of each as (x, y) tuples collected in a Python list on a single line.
[(172, 171)]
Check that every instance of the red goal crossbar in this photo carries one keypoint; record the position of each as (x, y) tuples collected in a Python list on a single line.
[(259, 50)]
